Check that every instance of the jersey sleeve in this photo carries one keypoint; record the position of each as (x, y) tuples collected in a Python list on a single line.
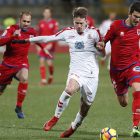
[(110, 33), (8, 32), (47, 39)]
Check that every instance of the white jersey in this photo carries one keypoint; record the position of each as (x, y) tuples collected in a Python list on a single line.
[(83, 54), (105, 26)]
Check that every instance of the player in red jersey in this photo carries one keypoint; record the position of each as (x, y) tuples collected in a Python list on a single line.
[(47, 26), (90, 21), (15, 59), (125, 66)]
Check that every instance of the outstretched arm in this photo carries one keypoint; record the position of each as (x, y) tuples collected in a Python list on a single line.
[(39, 39), (4, 40)]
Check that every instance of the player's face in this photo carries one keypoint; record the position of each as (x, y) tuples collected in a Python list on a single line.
[(134, 19), (79, 24), (25, 22), (47, 14)]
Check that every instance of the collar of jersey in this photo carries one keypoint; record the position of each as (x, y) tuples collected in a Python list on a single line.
[(82, 32), (47, 20), (126, 25), (21, 29)]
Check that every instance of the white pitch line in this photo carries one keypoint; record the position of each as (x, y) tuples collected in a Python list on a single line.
[(53, 86)]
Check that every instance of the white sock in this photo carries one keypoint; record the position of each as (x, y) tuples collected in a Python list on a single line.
[(62, 104), (78, 121)]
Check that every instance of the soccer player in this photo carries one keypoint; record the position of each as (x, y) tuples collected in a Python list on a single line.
[(47, 26), (125, 65), (103, 30), (90, 21), (84, 68), (15, 59)]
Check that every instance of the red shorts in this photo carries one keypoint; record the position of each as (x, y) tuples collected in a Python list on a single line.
[(122, 79), (7, 73), (46, 56)]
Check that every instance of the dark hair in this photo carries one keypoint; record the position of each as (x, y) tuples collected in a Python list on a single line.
[(81, 12), (134, 7), (26, 13), (48, 8)]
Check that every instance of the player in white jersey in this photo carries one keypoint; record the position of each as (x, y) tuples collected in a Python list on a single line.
[(103, 30), (84, 69)]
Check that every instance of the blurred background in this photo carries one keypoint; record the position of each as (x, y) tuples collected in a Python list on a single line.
[(62, 10)]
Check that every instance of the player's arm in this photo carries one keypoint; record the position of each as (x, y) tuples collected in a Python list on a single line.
[(4, 40)]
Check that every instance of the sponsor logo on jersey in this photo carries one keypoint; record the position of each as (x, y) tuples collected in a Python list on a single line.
[(31, 36), (79, 45), (121, 33), (71, 36), (137, 69), (138, 31), (89, 36)]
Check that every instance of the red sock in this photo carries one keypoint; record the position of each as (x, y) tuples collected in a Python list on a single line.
[(22, 90), (136, 108), (43, 72), (51, 69)]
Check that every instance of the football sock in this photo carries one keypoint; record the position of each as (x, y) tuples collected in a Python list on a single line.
[(22, 90), (62, 104), (136, 108), (78, 121), (43, 72), (51, 69)]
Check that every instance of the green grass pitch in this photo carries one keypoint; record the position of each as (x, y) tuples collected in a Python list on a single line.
[(40, 103)]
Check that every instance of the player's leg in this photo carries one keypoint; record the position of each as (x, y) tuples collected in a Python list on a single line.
[(81, 115), (87, 97), (2, 88), (51, 70), (72, 87), (136, 109), (123, 99), (22, 75), (42, 70)]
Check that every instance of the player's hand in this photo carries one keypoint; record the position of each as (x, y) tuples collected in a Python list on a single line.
[(49, 46), (46, 51), (100, 46), (17, 32)]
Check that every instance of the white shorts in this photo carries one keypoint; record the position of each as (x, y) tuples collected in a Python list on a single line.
[(88, 87)]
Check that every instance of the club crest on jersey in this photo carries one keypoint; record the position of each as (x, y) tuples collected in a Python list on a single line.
[(138, 31), (121, 33), (51, 25), (89, 36), (31, 36), (79, 45), (137, 69)]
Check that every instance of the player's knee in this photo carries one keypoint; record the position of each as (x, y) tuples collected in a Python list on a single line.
[(124, 104), (24, 78), (1, 91), (69, 91)]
